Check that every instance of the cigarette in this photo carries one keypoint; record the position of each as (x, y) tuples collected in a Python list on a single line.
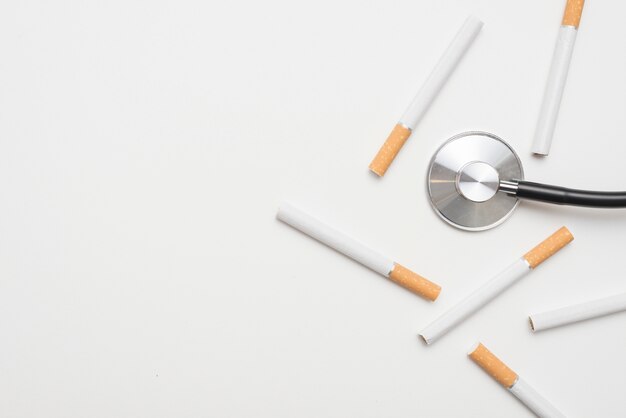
[(501, 373), (358, 252), (497, 285), (577, 313), (557, 77), (422, 101)]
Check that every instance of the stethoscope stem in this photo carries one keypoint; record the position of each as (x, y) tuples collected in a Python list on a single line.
[(508, 187), (562, 195)]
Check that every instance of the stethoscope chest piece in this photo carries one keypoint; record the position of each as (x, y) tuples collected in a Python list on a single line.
[(463, 180)]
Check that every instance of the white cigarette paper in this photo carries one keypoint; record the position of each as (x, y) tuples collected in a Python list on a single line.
[(335, 239), (535, 402), (358, 251), (546, 249), (577, 313), (554, 90), (510, 380), (440, 74), (475, 301)]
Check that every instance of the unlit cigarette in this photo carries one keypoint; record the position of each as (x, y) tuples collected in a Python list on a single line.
[(357, 251), (557, 77), (577, 313), (497, 285), (511, 381), (440, 74)]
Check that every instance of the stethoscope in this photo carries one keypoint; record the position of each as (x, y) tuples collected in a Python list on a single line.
[(476, 180)]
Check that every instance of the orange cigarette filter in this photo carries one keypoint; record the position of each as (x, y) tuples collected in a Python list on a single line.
[(390, 149), (414, 282), (493, 366), (548, 247), (573, 13)]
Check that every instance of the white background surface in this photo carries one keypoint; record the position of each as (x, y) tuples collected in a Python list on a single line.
[(146, 145)]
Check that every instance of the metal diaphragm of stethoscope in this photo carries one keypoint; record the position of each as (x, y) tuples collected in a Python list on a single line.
[(476, 180)]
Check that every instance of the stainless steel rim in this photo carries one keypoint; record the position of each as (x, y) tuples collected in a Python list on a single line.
[(445, 170)]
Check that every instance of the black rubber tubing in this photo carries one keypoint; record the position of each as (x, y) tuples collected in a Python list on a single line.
[(565, 196)]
